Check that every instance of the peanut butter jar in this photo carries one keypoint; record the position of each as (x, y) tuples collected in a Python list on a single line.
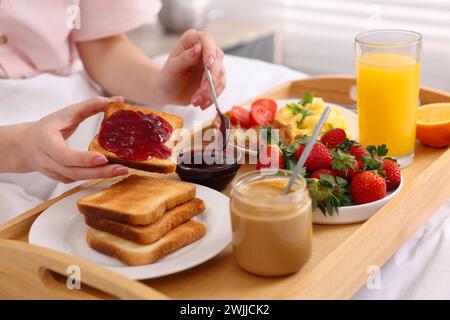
[(272, 232)]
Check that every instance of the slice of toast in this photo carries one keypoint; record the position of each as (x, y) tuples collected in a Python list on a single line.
[(135, 254), (154, 231), (136, 200), (153, 164)]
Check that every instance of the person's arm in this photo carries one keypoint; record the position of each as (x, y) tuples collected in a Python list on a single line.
[(41, 146), (122, 69), (10, 152)]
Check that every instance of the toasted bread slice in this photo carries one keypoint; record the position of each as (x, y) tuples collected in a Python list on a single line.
[(135, 254), (153, 164), (154, 231), (136, 200)]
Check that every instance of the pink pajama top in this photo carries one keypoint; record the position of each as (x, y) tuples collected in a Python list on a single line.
[(39, 36)]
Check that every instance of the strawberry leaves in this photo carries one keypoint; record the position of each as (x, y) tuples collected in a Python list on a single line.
[(374, 162), (379, 151), (343, 161), (334, 162), (289, 152), (328, 193), (346, 145), (289, 158)]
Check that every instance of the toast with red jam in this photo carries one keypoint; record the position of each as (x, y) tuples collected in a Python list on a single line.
[(138, 137)]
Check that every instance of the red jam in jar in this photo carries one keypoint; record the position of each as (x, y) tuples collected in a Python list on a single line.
[(134, 135)]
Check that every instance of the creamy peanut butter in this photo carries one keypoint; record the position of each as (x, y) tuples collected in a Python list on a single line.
[(272, 232)]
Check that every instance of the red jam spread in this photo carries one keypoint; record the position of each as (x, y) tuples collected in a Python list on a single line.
[(134, 135)]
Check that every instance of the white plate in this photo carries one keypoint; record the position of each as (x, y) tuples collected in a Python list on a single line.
[(357, 213), (349, 115), (61, 227)]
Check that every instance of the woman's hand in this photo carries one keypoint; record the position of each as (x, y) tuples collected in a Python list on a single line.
[(182, 79), (43, 145)]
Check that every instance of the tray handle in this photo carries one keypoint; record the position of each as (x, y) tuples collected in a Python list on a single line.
[(46, 274)]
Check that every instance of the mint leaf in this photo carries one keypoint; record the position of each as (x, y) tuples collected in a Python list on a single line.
[(308, 97), (297, 109), (294, 108), (305, 113)]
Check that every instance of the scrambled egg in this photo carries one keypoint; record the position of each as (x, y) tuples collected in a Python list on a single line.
[(295, 120)]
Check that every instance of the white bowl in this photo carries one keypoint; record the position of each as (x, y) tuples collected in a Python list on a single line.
[(357, 213)]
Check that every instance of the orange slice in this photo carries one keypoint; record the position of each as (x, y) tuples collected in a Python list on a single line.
[(433, 124)]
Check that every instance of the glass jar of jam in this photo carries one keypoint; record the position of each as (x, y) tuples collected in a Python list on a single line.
[(272, 232)]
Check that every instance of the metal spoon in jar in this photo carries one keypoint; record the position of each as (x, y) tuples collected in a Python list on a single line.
[(305, 154), (224, 126)]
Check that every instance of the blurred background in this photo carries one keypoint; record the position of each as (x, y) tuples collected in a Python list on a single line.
[(312, 36)]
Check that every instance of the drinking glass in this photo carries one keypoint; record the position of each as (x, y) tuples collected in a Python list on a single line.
[(387, 75)]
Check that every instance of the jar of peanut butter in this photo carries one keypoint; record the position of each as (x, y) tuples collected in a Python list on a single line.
[(272, 232)]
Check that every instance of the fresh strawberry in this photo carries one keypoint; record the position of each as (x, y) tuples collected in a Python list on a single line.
[(392, 171), (374, 161), (316, 174), (319, 158), (270, 156), (358, 151), (344, 165), (334, 137), (367, 186)]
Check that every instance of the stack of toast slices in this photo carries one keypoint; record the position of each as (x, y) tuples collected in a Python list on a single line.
[(141, 219)]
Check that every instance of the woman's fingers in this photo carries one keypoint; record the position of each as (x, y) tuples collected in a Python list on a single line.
[(79, 165), (210, 55), (54, 145), (206, 104), (220, 80), (217, 73), (204, 92), (52, 155), (192, 45), (67, 174), (209, 52), (217, 68), (185, 60), (58, 177), (187, 40), (82, 110), (190, 38), (106, 171)]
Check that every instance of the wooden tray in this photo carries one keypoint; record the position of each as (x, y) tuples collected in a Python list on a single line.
[(337, 269)]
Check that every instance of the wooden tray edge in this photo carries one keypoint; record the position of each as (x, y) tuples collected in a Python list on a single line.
[(310, 286)]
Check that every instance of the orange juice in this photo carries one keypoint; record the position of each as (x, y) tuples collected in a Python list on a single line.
[(388, 93)]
